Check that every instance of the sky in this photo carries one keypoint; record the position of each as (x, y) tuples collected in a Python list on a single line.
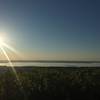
[(51, 29)]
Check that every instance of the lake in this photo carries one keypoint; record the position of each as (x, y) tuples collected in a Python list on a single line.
[(51, 64)]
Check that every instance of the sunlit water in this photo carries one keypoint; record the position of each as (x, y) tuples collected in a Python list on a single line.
[(39, 64)]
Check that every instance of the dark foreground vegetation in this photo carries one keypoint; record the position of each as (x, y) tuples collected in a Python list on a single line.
[(50, 84)]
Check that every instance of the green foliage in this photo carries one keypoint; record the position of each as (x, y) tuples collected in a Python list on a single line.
[(51, 83)]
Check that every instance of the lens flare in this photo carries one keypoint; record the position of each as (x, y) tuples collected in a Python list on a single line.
[(2, 45), (1, 41), (11, 65), (10, 48)]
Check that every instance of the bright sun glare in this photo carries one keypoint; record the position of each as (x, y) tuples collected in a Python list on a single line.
[(4, 45), (1, 41)]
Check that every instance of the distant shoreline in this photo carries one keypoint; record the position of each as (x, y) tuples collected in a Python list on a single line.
[(48, 61), (74, 67)]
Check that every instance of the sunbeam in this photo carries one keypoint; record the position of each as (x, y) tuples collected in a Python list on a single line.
[(11, 65), (2, 45), (14, 71), (10, 48)]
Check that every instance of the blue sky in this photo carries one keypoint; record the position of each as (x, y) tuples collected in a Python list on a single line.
[(53, 29)]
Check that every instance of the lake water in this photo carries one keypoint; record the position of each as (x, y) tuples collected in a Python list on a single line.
[(42, 64)]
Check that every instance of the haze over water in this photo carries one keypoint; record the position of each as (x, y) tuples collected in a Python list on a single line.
[(51, 64)]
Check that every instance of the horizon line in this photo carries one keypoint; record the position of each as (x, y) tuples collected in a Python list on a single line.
[(52, 61)]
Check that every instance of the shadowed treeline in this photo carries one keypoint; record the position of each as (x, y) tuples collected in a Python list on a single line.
[(50, 84)]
